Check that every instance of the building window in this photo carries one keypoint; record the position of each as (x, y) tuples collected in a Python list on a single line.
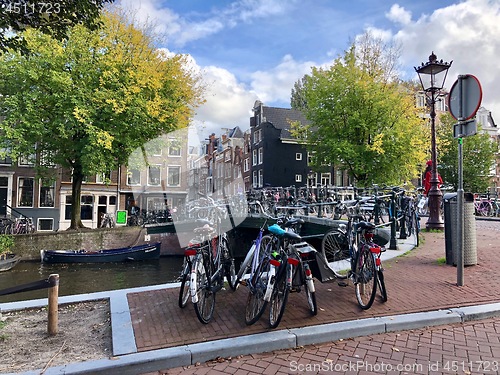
[(154, 175), (174, 149), (4, 159), (254, 157), (27, 161), (255, 180), (421, 100), (326, 179), (87, 204), (25, 188), (47, 194), (103, 178), (45, 225), (298, 156), (46, 158), (87, 207), (257, 136), (174, 176), (133, 177), (246, 165), (261, 178), (261, 155), (298, 178), (310, 158)]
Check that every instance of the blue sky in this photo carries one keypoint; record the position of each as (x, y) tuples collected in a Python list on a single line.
[(249, 50)]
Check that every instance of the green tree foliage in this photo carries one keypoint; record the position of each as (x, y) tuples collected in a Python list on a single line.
[(479, 152), (53, 18), (362, 120), (89, 101)]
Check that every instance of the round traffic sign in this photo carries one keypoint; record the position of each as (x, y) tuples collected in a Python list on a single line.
[(467, 95)]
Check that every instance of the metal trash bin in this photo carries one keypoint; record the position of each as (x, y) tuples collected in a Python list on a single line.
[(450, 228)]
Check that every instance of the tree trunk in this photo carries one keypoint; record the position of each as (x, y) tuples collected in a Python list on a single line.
[(76, 194)]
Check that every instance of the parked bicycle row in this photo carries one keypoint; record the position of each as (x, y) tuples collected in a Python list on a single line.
[(280, 262), (487, 205), (19, 225)]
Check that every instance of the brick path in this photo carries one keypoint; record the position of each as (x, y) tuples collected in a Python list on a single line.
[(415, 282), (469, 348)]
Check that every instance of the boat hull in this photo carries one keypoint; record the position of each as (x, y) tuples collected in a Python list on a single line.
[(8, 261), (126, 254)]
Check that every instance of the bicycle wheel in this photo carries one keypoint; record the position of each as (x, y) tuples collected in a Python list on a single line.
[(381, 285), (255, 301), (311, 299), (415, 228), (279, 297), (229, 266), (335, 248), (365, 281), (204, 307), (184, 290)]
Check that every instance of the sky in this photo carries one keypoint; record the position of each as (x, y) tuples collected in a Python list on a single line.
[(248, 50)]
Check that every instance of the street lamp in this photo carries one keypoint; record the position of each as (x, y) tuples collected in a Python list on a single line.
[(432, 75)]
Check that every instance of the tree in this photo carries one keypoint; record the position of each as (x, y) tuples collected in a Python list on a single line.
[(362, 120), (88, 102), (479, 152), (52, 18)]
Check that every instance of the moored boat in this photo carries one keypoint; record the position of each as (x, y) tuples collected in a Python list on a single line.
[(125, 254), (8, 261)]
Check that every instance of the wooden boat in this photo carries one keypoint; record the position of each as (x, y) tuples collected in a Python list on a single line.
[(8, 261), (125, 254)]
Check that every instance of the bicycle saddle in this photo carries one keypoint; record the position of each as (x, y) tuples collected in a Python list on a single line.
[(293, 221), (204, 229), (363, 225)]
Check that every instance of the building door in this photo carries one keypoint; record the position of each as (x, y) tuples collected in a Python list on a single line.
[(4, 188)]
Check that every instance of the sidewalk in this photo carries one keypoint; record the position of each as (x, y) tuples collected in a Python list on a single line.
[(151, 332)]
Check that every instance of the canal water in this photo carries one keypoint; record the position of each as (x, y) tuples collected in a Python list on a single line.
[(91, 277)]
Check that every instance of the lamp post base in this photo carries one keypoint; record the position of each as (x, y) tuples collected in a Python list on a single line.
[(434, 225)]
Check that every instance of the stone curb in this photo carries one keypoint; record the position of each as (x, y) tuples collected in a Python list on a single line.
[(265, 342)]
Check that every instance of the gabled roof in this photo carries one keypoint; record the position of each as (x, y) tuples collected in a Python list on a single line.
[(236, 132), (281, 118)]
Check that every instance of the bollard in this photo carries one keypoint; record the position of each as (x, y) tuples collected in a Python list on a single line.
[(53, 321)]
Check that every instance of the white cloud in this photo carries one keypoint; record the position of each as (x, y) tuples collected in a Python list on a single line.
[(179, 31), (467, 33), (275, 85), (228, 102), (398, 14)]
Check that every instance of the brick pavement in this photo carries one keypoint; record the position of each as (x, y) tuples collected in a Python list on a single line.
[(468, 348), (415, 282)]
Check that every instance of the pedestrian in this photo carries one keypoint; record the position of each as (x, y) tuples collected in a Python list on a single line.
[(427, 178)]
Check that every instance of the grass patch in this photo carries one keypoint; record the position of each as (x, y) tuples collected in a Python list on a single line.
[(441, 261)]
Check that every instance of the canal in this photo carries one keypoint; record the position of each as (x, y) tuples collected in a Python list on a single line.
[(90, 277)]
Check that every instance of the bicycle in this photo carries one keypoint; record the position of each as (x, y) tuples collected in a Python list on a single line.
[(293, 272), (351, 245), (107, 220), (210, 265), (187, 265), (262, 266)]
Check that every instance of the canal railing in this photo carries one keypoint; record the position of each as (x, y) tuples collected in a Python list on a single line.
[(52, 284)]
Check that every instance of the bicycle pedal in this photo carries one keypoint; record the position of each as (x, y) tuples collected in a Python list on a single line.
[(343, 284)]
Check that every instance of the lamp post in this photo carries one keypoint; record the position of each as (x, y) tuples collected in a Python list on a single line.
[(432, 75)]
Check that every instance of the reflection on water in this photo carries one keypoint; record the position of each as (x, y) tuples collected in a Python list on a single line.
[(86, 278)]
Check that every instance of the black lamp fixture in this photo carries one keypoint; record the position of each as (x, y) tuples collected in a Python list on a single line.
[(432, 75)]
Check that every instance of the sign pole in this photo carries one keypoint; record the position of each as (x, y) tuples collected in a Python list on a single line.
[(460, 192), (463, 102)]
